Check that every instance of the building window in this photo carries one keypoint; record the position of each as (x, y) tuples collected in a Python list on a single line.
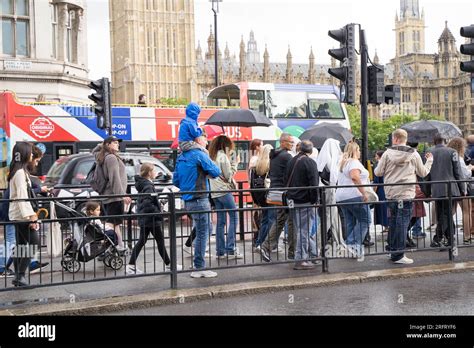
[(156, 45), (446, 95), (445, 70), (406, 97), (15, 23), (149, 44), (168, 48), (461, 93), (175, 44), (54, 23), (462, 117), (71, 16), (426, 96), (402, 43), (446, 114)]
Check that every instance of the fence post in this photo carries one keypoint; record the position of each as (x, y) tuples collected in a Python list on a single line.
[(172, 234), (324, 230), (451, 229), (241, 212)]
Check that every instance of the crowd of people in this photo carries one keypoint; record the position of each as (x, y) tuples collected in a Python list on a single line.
[(286, 195)]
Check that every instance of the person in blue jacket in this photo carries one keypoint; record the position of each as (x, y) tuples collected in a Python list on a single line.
[(192, 169), (189, 128)]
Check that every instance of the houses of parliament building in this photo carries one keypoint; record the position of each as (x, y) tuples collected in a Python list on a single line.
[(153, 52)]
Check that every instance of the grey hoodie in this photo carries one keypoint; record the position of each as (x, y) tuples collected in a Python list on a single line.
[(114, 170), (401, 164)]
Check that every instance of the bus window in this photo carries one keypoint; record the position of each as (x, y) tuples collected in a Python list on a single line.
[(326, 109), (242, 150), (257, 101), (286, 104)]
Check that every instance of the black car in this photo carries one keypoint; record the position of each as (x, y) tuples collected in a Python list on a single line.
[(67, 175)]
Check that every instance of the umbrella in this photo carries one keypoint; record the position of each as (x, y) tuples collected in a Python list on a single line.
[(424, 131), (211, 132), (239, 118), (322, 131)]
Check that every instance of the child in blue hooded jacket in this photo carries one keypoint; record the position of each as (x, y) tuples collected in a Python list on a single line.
[(189, 128)]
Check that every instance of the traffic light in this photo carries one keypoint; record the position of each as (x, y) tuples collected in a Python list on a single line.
[(468, 49), (102, 109), (392, 94), (346, 73), (376, 87)]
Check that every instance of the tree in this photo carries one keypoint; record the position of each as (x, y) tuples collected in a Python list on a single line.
[(173, 101)]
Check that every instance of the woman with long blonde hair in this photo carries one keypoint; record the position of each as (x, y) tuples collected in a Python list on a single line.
[(259, 179), (355, 210), (459, 144)]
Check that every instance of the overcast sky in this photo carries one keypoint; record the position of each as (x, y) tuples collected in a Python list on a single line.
[(299, 24)]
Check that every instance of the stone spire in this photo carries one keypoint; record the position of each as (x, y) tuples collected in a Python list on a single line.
[(266, 65), (199, 52), (242, 57), (289, 66), (210, 46), (376, 58), (312, 70), (226, 51)]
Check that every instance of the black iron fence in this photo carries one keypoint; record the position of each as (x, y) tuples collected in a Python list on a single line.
[(76, 248)]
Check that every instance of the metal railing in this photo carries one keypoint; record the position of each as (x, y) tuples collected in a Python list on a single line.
[(94, 257)]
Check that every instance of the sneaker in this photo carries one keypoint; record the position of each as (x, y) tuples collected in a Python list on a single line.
[(435, 244), (316, 262), (277, 250), (178, 267), (410, 243), (404, 261), (256, 249), (368, 243), (8, 273), (265, 254), (303, 266), (203, 274), (187, 250), (422, 235), (36, 266), (235, 255), (132, 269)]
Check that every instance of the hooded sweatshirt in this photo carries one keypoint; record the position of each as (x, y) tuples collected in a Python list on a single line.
[(401, 164), (147, 204), (114, 171), (189, 128), (279, 160)]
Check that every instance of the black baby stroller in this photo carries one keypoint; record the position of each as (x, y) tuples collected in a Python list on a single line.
[(88, 241)]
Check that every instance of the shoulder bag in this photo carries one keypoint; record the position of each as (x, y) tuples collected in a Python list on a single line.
[(278, 197)]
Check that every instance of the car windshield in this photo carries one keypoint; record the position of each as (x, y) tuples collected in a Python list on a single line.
[(54, 173)]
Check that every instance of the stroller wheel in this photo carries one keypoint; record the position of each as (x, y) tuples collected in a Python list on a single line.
[(65, 261), (107, 260), (73, 266), (116, 263)]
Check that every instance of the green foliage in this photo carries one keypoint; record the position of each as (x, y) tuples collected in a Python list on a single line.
[(173, 101), (380, 130)]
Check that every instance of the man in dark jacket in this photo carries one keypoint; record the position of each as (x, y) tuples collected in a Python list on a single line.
[(279, 160), (302, 171), (192, 169), (446, 166)]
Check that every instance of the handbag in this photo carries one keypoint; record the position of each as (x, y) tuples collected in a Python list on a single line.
[(54, 237), (278, 197), (31, 195), (371, 195), (425, 186)]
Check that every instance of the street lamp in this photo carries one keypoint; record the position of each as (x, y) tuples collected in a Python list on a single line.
[(215, 9)]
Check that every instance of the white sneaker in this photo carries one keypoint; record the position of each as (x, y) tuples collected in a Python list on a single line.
[(178, 267), (404, 261), (187, 249), (132, 269), (277, 250), (203, 274)]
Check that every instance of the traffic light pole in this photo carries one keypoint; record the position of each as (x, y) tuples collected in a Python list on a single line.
[(364, 98)]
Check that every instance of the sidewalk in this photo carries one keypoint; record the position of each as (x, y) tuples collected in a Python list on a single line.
[(111, 295)]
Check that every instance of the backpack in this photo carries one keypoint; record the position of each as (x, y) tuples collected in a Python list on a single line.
[(96, 178), (258, 182)]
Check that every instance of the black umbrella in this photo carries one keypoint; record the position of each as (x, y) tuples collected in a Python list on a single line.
[(322, 131), (239, 118), (424, 131)]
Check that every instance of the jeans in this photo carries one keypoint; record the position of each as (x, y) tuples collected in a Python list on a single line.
[(264, 227), (7, 246), (398, 221), (357, 220), (222, 245), (313, 251), (278, 218), (303, 219), (201, 222), (416, 229)]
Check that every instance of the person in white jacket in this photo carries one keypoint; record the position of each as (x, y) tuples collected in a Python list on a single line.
[(21, 211)]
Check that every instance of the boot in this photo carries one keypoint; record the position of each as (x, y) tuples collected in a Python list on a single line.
[(410, 243)]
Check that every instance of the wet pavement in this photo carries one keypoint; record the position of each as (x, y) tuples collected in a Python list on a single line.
[(449, 294)]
